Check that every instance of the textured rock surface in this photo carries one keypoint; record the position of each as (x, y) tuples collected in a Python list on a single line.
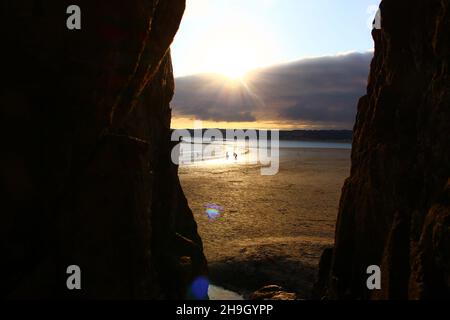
[(85, 166), (395, 206), (272, 292)]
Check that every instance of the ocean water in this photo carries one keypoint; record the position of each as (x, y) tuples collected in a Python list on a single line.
[(315, 144), (232, 152), (219, 293)]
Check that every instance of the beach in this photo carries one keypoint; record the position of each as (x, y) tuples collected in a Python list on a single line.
[(271, 229)]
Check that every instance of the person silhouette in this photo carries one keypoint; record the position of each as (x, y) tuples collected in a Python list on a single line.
[(235, 156)]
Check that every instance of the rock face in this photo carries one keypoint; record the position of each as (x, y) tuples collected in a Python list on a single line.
[(395, 206), (272, 292), (85, 164)]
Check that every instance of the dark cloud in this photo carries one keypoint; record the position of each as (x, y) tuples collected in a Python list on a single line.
[(212, 97), (323, 107), (317, 91)]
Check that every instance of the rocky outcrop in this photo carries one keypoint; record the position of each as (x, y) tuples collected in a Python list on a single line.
[(273, 292), (320, 287), (85, 166), (395, 206)]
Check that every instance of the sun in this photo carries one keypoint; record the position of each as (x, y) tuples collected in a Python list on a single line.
[(233, 63), (234, 51), (235, 73), (234, 60)]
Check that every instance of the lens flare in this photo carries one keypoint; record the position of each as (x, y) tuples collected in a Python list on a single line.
[(199, 289), (213, 211)]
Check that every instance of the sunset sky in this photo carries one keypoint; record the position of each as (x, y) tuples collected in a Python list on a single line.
[(232, 37)]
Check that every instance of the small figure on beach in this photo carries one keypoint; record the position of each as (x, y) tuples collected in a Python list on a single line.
[(235, 155), (228, 155)]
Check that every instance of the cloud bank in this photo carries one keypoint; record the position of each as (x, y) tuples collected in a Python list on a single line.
[(321, 92)]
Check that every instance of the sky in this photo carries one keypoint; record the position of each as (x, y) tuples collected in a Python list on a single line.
[(317, 93), (225, 40), (267, 32)]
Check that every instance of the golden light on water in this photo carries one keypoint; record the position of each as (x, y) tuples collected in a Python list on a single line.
[(181, 122)]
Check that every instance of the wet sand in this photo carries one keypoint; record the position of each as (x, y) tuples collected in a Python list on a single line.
[(273, 228)]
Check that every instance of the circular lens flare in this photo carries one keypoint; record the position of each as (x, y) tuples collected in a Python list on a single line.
[(199, 289)]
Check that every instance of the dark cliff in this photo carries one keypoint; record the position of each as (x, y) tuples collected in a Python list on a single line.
[(85, 162), (395, 206)]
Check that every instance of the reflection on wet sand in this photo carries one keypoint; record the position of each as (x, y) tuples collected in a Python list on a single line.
[(272, 229)]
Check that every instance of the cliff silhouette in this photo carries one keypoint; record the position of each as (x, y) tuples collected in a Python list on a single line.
[(86, 171), (395, 206)]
